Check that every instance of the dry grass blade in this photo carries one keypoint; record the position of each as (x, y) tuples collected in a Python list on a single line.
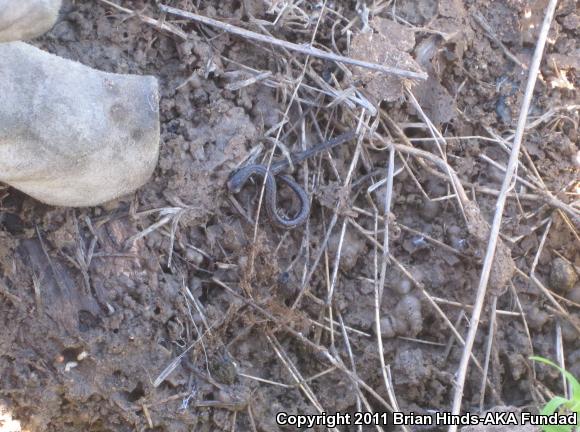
[(293, 370), (561, 360), (489, 347), (336, 362), (336, 267), (549, 295), (360, 395), (350, 329), (15, 299), (170, 368), (303, 49), (438, 140), (251, 417), (350, 355), (163, 26), (468, 307), (428, 297), (380, 283), (265, 381), (333, 221), (175, 362), (479, 19), (494, 234), (168, 214)]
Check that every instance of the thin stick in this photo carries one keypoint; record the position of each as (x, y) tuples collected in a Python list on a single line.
[(425, 293), (494, 232), (380, 283), (251, 417), (331, 225), (148, 20), (436, 134), (526, 328), (499, 312), (262, 380), (334, 361), (560, 357), (303, 49), (479, 19), (334, 278), (490, 336), (336, 266), (353, 366), (293, 370)]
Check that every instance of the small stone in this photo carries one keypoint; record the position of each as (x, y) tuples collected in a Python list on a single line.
[(575, 293), (223, 370), (430, 210), (195, 285), (352, 248), (569, 332), (194, 256), (563, 276), (536, 318), (387, 330), (403, 286), (576, 159), (409, 317)]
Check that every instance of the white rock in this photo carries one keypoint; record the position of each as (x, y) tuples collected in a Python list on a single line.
[(71, 135)]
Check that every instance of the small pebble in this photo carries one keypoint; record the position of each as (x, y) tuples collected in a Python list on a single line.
[(352, 248), (195, 284), (536, 318), (454, 230), (403, 286), (223, 370), (409, 317), (283, 278), (430, 210), (576, 159), (575, 293), (503, 111), (387, 330), (569, 333), (574, 363), (563, 276), (193, 256)]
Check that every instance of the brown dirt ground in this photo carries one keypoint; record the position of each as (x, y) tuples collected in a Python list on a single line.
[(92, 324)]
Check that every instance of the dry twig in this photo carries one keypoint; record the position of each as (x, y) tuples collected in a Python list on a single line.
[(494, 233), (163, 26), (303, 49)]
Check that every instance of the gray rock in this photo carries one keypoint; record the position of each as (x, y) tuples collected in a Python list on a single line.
[(26, 19), (71, 135)]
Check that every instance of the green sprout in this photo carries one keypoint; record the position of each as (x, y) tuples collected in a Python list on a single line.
[(558, 403)]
